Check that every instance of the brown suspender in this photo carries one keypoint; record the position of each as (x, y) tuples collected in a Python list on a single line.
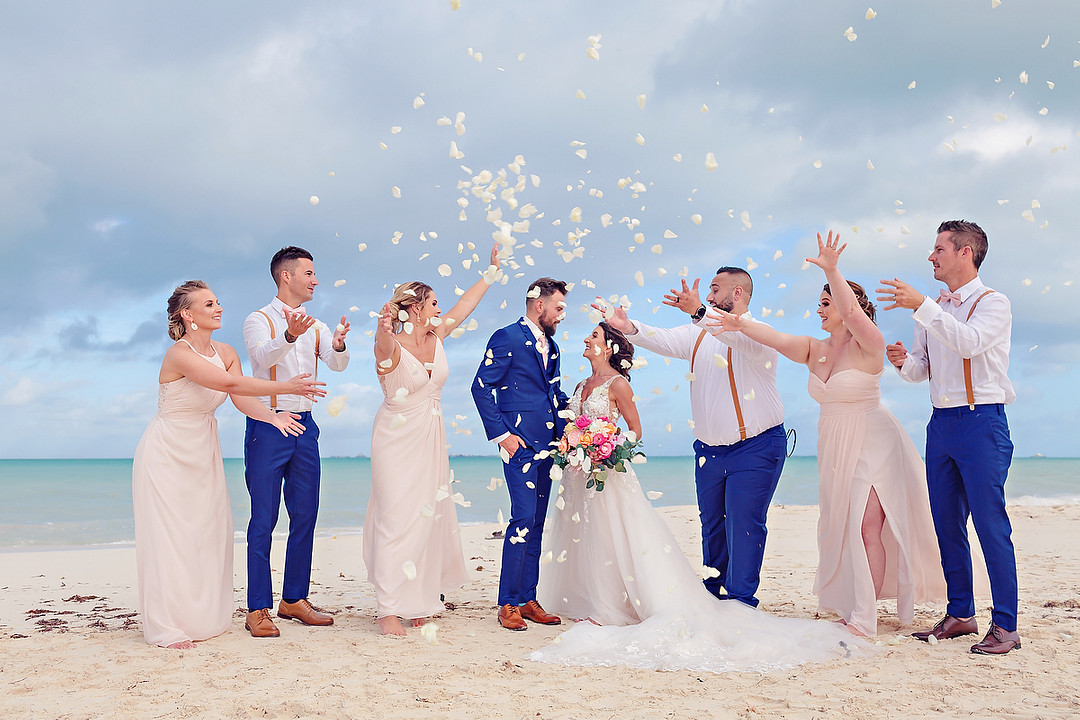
[(967, 361), (273, 368), (731, 380), (735, 395)]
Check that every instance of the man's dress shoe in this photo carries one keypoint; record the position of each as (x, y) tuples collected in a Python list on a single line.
[(997, 642), (510, 618), (259, 624), (532, 611), (303, 611), (948, 627)]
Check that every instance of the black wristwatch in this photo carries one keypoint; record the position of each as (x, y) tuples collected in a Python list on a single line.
[(698, 314)]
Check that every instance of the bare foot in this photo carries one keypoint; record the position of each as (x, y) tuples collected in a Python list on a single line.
[(391, 625), (419, 622), (182, 645), (854, 630)]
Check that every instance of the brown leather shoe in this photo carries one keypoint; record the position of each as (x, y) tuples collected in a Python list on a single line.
[(303, 611), (259, 624), (997, 642), (532, 611), (949, 627), (510, 618)]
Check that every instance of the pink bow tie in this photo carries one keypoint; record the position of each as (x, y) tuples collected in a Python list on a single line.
[(952, 297)]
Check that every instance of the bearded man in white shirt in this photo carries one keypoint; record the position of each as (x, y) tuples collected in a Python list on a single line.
[(284, 341), (962, 341), (738, 420)]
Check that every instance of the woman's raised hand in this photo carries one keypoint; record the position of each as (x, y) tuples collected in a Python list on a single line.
[(306, 386), (724, 321), (828, 252), (386, 321), (495, 255), (287, 423)]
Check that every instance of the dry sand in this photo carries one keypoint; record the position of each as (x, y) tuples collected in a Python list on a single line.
[(71, 647)]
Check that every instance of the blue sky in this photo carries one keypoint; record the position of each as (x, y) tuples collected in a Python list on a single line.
[(142, 146)]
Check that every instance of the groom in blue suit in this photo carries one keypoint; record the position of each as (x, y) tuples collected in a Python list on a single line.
[(516, 391)]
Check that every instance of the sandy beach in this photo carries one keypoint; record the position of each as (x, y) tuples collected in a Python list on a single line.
[(71, 647)]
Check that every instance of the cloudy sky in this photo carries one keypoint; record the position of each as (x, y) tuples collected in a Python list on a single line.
[(143, 145)]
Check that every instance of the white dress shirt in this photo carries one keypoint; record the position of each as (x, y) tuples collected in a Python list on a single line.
[(944, 337), (711, 405), (291, 358)]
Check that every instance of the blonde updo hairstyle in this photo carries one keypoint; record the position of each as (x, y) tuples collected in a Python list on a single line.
[(181, 300), (405, 296)]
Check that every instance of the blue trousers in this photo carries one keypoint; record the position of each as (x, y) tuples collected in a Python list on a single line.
[(735, 485), (271, 460), (528, 509), (968, 453)]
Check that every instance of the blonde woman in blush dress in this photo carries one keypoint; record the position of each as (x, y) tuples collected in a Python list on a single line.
[(412, 548), (875, 533), (183, 521)]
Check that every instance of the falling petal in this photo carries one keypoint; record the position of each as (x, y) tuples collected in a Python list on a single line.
[(336, 405), (314, 199), (870, 14), (668, 235), (911, 85), (1023, 77), (654, 494), (639, 139), (445, 270), (710, 162), (417, 103), (850, 34), (817, 164), (696, 218), (409, 568), (397, 421), (869, 165), (395, 191)]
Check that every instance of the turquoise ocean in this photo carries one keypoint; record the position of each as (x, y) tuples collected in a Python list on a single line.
[(52, 504)]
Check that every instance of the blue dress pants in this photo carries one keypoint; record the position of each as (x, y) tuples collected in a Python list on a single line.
[(528, 509), (273, 461), (735, 484), (968, 453)]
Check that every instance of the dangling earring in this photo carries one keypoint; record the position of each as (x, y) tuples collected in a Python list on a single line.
[(194, 326)]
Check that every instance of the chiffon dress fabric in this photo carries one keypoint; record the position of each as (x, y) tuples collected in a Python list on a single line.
[(412, 546), (862, 446), (183, 519), (616, 566)]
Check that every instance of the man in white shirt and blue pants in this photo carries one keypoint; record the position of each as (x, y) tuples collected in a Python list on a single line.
[(962, 341), (284, 341), (738, 421)]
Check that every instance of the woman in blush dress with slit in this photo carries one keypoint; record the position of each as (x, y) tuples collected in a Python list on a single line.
[(183, 522), (875, 535), (412, 548)]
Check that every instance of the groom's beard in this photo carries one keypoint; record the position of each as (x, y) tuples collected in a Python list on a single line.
[(727, 304), (547, 324)]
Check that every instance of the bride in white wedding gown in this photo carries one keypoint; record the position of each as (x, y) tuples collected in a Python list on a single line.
[(618, 568)]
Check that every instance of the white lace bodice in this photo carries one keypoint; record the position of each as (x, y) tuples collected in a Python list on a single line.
[(597, 404)]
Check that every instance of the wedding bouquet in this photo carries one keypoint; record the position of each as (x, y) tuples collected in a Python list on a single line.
[(595, 446)]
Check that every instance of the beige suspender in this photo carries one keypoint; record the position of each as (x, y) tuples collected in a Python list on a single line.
[(967, 361), (731, 380), (273, 368)]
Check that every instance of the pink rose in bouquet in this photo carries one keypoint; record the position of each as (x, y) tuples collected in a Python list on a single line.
[(605, 449), (582, 422)]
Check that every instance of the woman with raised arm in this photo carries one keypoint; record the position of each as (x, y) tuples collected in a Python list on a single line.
[(183, 521), (875, 533), (412, 548)]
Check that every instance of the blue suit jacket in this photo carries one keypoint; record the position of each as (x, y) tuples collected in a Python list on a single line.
[(514, 392)]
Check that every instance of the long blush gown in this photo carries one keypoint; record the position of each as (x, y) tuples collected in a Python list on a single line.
[(862, 446), (412, 547), (183, 520), (615, 562)]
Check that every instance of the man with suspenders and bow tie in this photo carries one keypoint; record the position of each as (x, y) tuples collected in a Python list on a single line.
[(740, 444), (283, 341), (961, 345)]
